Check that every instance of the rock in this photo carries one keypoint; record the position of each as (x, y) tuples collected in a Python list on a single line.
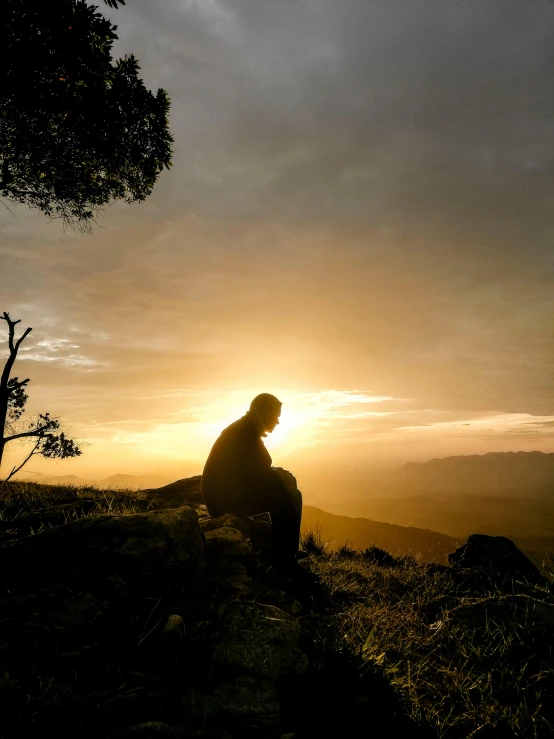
[(261, 641), (280, 599), (262, 537), (176, 494), (134, 547), (233, 579), (244, 525), (174, 625), (255, 528), (497, 555), (520, 613), (227, 543)]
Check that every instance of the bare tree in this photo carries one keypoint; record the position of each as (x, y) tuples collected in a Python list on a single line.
[(44, 430)]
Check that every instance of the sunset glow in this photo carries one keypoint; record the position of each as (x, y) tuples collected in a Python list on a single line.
[(386, 271)]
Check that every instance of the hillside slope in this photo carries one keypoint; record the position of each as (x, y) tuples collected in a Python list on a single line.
[(161, 621), (359, 533)]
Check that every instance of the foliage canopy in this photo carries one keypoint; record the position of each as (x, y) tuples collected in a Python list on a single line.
[(77, 130)]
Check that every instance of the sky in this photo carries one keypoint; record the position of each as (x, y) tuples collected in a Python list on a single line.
[(358, 219)]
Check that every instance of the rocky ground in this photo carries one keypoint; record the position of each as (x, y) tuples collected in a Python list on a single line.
[(165, 622)]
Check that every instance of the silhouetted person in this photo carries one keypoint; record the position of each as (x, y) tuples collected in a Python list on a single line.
[(238, 478)]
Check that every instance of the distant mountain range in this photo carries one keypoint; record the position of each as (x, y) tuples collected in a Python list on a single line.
[(521, 474), (524, 474)]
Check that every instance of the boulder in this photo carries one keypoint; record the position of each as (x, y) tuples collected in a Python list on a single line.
[(255, 528), (498, 556), (227, 543), (134, 547), (276, 597), (261, 641), (244, 525), (176, 494), (233, 580)]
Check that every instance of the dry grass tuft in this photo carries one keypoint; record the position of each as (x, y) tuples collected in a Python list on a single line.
[(312, 541), (461, 680), (22, 502)]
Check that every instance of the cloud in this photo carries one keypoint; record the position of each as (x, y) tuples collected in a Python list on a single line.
[(360, 198), (486, 427), (435, 114)]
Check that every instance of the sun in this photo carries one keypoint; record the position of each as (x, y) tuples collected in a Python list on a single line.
[(291, 430), (290, 424)]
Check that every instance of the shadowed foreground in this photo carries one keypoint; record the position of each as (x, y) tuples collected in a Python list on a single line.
[(144, 617)]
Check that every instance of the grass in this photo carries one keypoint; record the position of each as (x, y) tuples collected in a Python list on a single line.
[(18, 498), (461, 679), (388, 613), (85, 656)]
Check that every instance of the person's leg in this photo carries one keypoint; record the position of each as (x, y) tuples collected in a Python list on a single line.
[(284, 504), (238, 504), (286, 515)]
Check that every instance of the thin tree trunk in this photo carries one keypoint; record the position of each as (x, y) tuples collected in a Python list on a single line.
[(3, 415), (4, 379)]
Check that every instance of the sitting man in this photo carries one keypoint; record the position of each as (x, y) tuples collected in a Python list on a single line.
[(238, 478)]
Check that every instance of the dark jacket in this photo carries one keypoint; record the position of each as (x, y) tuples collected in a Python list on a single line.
[(238, 471)]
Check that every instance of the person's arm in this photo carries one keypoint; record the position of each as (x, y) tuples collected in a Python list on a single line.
[(258, 473), (286, 477)]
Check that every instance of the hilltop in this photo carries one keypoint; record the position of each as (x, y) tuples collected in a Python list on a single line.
[(137, 615)]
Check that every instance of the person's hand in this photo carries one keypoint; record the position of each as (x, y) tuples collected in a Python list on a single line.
[(287, 477)]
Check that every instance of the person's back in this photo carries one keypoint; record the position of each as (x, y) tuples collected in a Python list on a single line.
[(238, 478), (237, 470)]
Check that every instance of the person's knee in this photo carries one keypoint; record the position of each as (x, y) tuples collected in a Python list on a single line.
[(287, 478)]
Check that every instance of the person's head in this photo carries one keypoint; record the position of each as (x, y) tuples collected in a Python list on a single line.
[(265, 410)]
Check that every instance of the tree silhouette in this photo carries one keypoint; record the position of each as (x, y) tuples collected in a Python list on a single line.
[(77, 130), (44, 430)]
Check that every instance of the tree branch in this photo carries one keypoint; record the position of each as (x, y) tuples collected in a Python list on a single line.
[(22, 337), (17, 385), (13, 349), (15, 470), (29, 434), (11, 329)]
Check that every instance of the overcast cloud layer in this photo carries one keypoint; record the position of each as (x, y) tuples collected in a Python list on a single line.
[(361, 200)]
